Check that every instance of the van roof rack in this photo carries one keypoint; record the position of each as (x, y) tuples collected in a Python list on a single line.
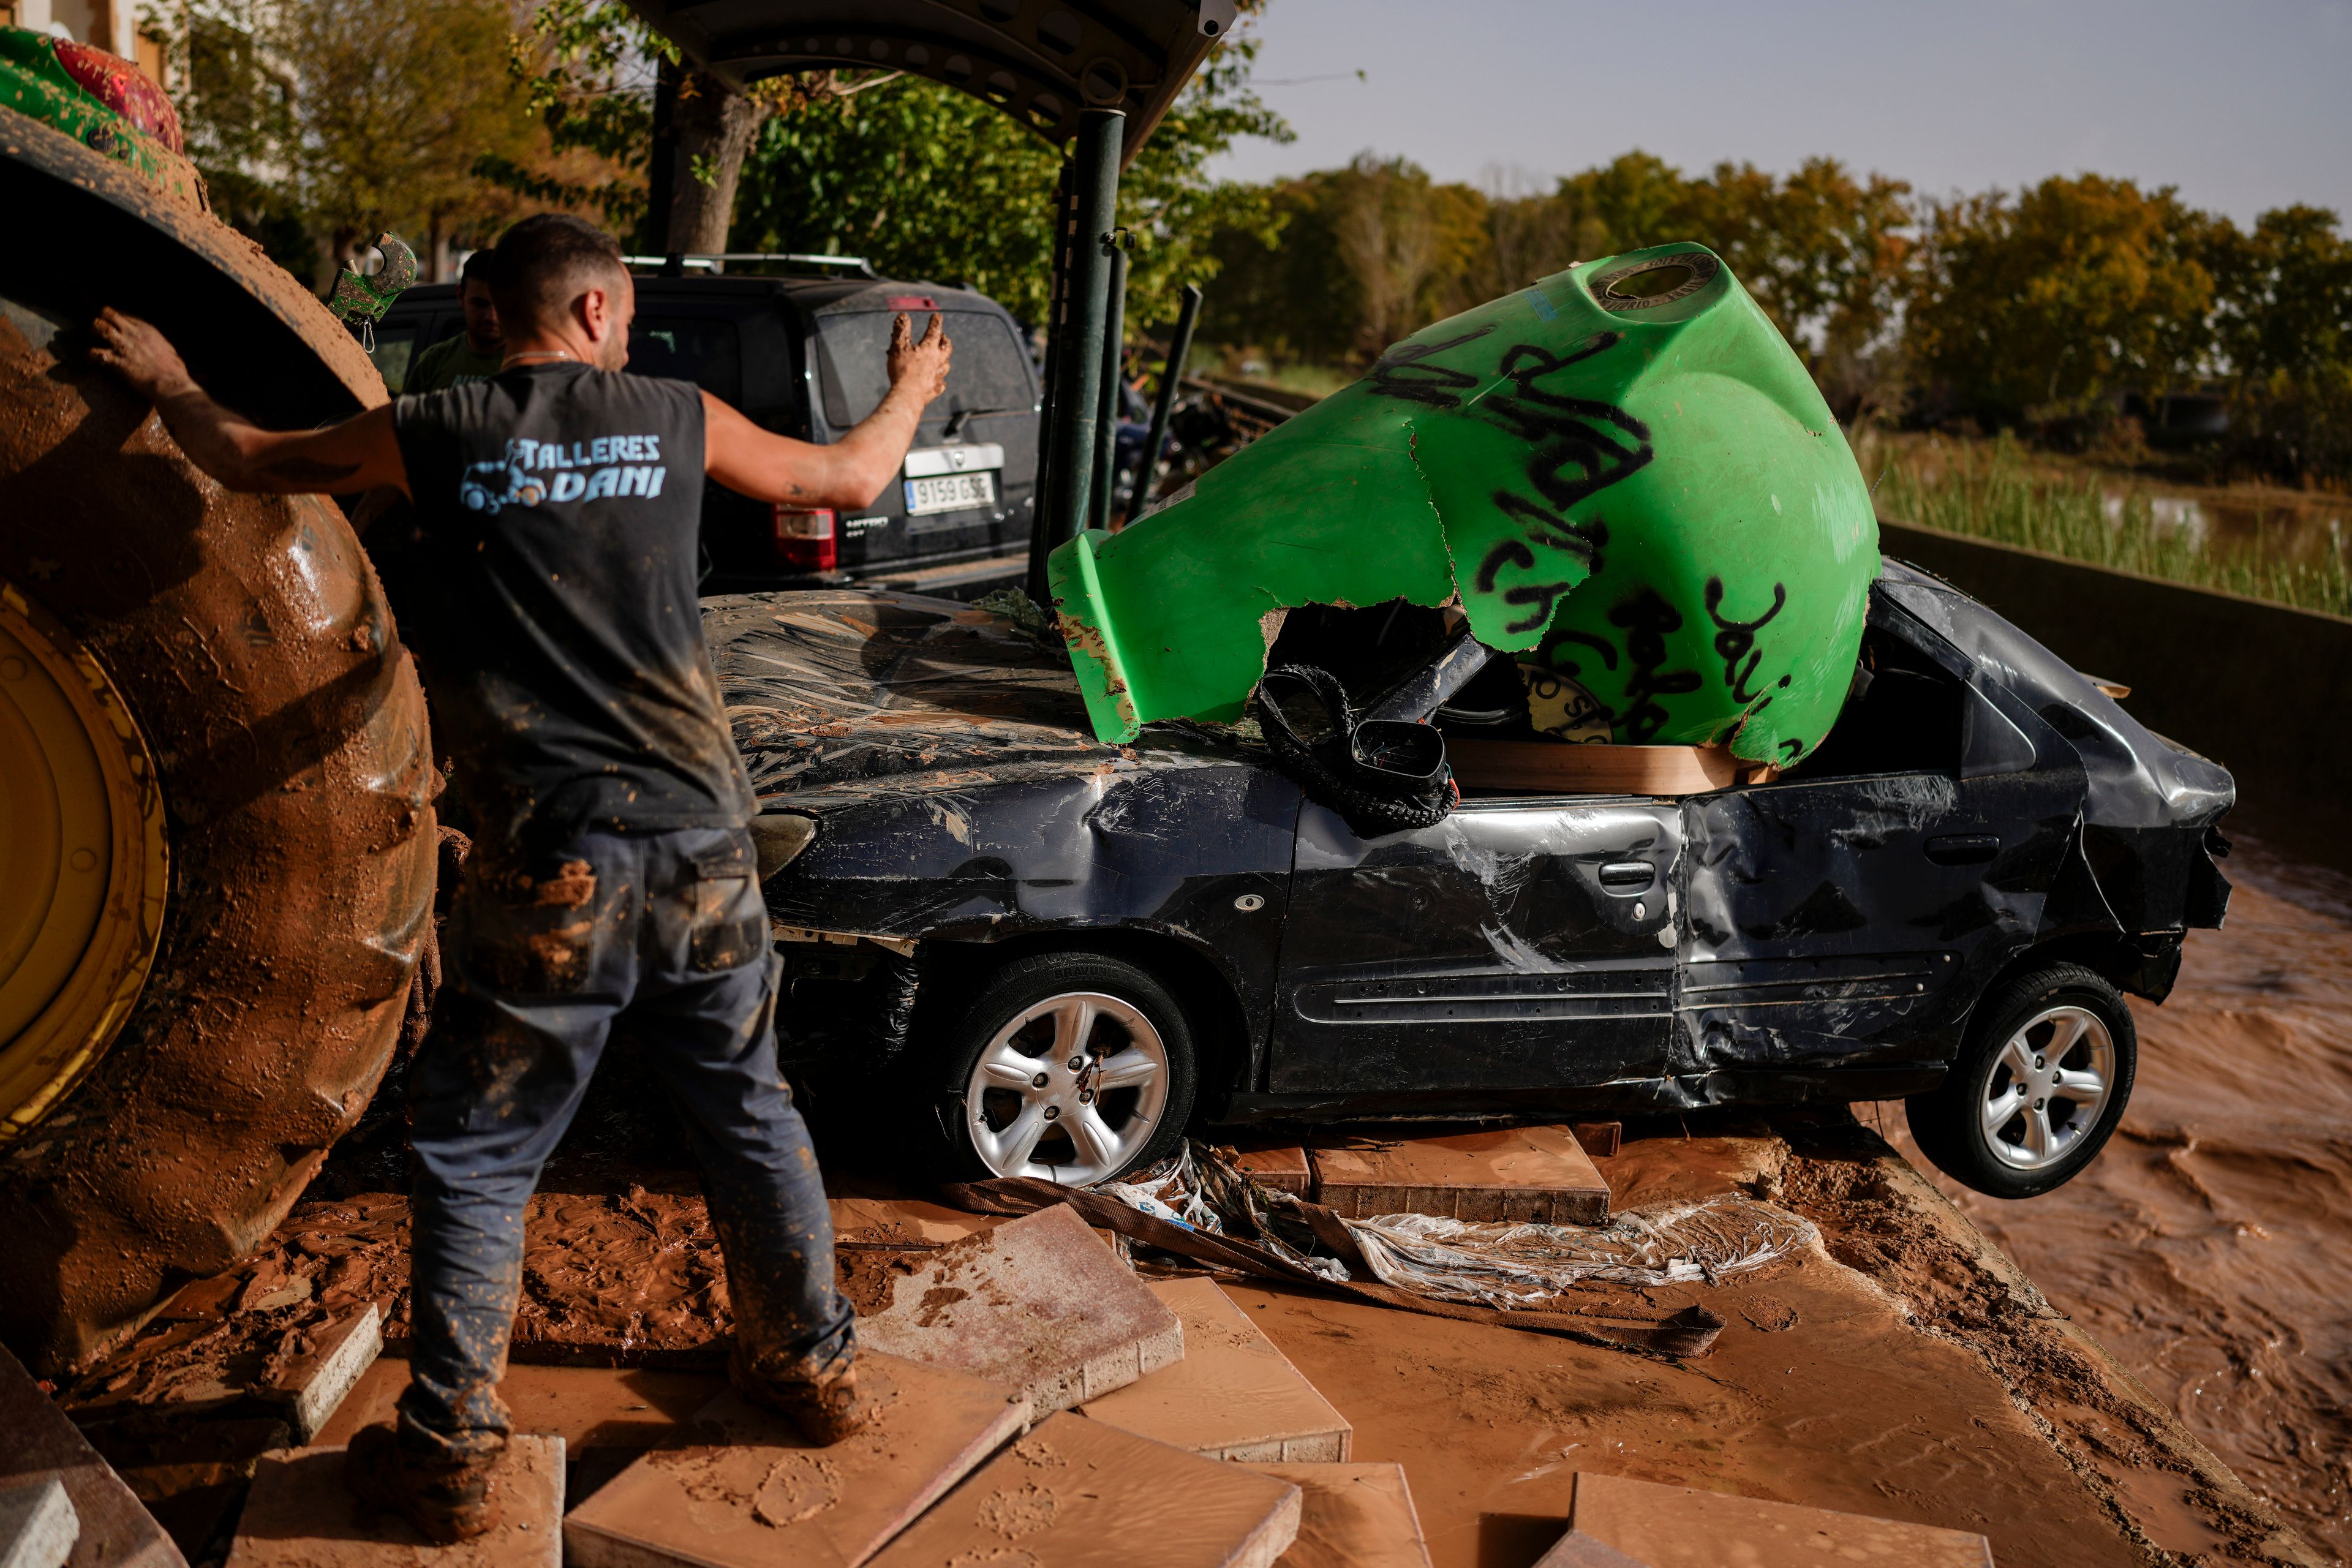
[(677, 264)]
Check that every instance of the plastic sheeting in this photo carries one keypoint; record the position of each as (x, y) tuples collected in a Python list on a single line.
[(1528, 1264), (1509, 1264)]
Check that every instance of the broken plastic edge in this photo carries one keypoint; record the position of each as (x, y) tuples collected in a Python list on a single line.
[(1085, 625)]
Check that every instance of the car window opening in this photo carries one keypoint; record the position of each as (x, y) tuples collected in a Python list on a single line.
[(1904, 714)]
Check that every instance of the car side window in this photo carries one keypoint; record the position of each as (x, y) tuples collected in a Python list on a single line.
[(989, 372), (1904, 714), (704, 350)]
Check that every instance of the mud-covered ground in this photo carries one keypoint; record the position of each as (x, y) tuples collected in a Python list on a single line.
[(1898, 1367), (2210, 1245)]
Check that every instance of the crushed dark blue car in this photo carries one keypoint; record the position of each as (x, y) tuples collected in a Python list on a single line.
[(1052, 953)]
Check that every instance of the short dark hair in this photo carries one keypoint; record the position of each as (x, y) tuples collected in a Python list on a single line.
[(542, 263), (476, 268)]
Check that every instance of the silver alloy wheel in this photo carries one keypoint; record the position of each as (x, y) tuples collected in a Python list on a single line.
[(2048, 1086), (1070, 1089)]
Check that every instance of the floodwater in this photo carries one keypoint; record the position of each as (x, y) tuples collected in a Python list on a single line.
[(2210, 1245), (2304, 531)]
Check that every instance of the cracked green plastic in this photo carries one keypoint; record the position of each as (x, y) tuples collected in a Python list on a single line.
[(1624, 473)]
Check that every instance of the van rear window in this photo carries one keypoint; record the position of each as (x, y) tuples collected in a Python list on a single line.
[(704, 350), (989, 372)]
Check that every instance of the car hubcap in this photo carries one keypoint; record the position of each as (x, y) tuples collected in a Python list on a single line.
[(1070, 1089), (81, 863), (2049, 1085)]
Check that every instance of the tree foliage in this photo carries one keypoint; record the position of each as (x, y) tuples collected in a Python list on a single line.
[(318, 124), (927, 182)]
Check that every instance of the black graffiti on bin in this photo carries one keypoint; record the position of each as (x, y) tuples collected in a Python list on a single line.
[(1577, 447), (1736, 641), (1646, 619), (1405, 371)]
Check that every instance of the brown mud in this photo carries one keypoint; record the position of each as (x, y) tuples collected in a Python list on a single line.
[(2206, 1246)]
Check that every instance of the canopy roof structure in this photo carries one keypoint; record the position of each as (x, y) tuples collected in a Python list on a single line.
[(1041, 61)]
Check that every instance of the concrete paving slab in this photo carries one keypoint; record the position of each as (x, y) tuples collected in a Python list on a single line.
[(313, 1384), (38, 1444), (1285, 1169), (1519, 1173), (742, 1489), (1075, 1493), (1040, 1303), (1234, 1396), (300, 1515), (1352, 1516), (1613, 1522), (38, 1526)]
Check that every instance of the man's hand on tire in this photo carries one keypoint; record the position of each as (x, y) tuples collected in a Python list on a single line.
[(141, 356)]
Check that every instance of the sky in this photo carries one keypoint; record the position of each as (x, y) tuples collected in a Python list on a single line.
[(2243, 104)]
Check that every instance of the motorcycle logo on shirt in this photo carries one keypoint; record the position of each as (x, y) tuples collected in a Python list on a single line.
[(579, 471)]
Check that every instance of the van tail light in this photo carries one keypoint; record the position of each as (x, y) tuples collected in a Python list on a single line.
[(805, 539)]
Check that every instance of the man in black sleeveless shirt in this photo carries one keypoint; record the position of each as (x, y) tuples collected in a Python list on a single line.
[(612, 875)]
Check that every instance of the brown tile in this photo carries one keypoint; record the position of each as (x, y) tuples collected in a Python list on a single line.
[(117, 1530), (1515, 1173), (1683, 1527), (313, 1384), (742, 1489), (1285, 1169), (1234, 1396), (1075, 1493), (1352, 1516), (1040, 1303), (300, 1515)]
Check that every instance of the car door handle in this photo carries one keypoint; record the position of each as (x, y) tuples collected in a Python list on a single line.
[(1628, 876), (1963, 849)]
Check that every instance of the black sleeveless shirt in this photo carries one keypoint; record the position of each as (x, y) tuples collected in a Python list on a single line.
[(554, 609)]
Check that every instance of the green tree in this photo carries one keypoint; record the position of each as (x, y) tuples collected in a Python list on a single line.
[(2282, 324), (925, 181), (2046, 305)]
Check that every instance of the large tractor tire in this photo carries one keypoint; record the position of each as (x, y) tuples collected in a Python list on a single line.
[(216, 833)]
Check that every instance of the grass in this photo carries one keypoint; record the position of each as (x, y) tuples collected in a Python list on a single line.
[(1991, 489)]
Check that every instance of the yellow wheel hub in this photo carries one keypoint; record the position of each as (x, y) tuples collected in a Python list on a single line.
[(82, 875)]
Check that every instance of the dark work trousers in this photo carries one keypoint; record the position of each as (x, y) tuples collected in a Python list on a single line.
[(666, 932)]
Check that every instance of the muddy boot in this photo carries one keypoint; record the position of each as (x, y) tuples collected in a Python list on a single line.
[(821, 1400), (450, 1500)]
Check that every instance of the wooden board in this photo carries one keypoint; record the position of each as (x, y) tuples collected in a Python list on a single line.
[(1234, 1396), (300, 1515), (742, 1489), (1075, 1493), (1566, 767), (1612, 1520), (1040, 1303), (1519, 1173)]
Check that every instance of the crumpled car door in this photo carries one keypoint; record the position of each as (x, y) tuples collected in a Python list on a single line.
[(1517, 944)]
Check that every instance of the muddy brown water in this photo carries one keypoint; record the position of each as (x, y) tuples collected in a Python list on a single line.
[(2210, 1245)]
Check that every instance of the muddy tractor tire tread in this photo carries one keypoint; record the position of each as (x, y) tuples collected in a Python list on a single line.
[(250, 641)]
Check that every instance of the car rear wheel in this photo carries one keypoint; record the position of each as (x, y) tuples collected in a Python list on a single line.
[(2038, 1087), (1072, 1067)]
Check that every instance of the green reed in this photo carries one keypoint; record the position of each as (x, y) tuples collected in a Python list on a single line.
[(1987, 490)]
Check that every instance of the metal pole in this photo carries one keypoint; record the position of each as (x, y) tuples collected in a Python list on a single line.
[(1147, 477), (1058, 294), (1106, 433), (1076, 392)]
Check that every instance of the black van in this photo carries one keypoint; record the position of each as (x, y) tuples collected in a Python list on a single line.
[(803, 356)]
